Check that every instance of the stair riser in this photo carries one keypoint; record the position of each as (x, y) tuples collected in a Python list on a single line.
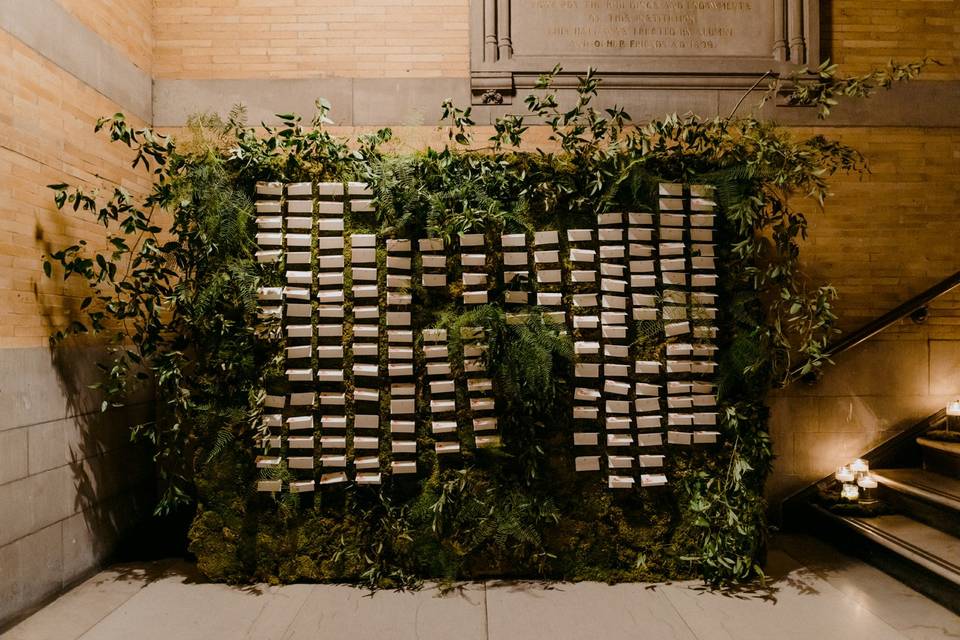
[(904, 569), (941, 462), (931, 514)]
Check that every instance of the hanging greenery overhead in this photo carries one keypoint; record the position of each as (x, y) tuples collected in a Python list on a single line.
[(177, 295)]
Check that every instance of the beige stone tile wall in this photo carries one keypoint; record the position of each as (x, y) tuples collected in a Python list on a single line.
[(874, 391)]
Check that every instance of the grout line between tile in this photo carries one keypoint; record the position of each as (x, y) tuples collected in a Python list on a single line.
[(486, 613), (96, 624), (666, 596), (296, 616)]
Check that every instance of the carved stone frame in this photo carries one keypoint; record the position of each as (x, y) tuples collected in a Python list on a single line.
[(497, 74)]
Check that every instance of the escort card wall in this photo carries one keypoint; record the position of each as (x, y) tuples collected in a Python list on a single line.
[(366, 383)]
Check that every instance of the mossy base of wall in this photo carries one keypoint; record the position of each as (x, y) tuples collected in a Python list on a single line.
[(452, 525)]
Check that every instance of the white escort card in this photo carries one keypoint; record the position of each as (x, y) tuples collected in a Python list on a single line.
[(269, 222), (269, 189), (546, 237), (514, 259), (361, 206), (433, 262), (587, 463), (609, 218)]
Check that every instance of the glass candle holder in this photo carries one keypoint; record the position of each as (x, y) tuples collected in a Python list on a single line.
[(850, 492), (860, 468), (868, 488), (953, 409), (844, 475)]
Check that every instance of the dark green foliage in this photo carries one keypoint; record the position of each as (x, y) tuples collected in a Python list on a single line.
[(530, 364), (176, 295)]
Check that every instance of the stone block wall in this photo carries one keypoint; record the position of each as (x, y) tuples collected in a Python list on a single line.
[(70, 481)]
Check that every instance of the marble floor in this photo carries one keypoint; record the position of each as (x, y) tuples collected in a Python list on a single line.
[(814, 593)]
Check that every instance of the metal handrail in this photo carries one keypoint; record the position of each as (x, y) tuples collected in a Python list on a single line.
[(874, 327)]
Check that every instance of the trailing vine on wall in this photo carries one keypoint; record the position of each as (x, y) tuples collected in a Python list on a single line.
[(175, 295)]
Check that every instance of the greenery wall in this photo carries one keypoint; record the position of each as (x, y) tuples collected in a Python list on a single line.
[(176, 293)]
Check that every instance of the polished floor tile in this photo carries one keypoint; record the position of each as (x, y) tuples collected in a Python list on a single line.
[(813, 592)]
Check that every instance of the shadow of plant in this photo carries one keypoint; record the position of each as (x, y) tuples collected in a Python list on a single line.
[(113, 479)]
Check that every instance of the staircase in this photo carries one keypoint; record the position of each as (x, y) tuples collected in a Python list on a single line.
[(916, 538), (915, 535)]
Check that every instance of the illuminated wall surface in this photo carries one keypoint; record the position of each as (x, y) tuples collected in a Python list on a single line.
[(363, 379)]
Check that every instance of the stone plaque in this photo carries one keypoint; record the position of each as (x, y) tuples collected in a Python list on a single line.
[(660, 44)]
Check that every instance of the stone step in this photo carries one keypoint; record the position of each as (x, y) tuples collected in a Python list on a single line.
[(926, 496), (939, 456), (923, 557)]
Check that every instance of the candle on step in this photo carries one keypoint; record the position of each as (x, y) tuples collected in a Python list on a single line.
[(850, 492), (868, 486), (859, 466), (844, 475)]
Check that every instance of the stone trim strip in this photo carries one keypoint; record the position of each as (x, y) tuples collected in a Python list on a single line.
[(416, 101), (48, 29)]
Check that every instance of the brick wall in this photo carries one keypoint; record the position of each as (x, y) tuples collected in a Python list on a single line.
[(893, 232), (311, 38), (866, 34), (47, 137), (125, 24)]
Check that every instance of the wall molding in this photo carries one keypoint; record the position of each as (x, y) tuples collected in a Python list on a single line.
[(416, 101), (510, 40), (51, 31)]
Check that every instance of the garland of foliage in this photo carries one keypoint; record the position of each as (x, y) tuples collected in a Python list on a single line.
[(176, 295)]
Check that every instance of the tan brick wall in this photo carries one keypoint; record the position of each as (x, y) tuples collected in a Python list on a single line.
[(125, 24), (311, 38), (46, 136), (429, 38), (867, 33), (891, 233)]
